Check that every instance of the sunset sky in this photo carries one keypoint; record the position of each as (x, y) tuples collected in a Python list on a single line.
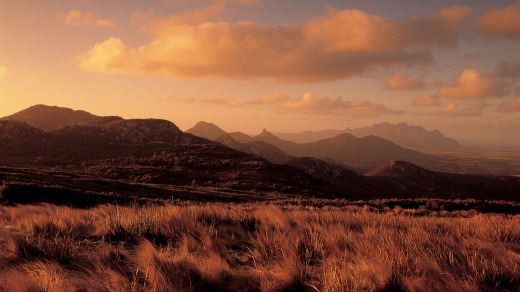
[(286, 66)]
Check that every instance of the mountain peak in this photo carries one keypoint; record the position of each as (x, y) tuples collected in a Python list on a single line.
[(265, 132), (207, 130)]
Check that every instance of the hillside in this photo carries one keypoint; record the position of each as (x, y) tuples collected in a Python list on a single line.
[(49, 118)]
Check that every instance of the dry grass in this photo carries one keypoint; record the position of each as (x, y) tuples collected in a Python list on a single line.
[(254, 247)]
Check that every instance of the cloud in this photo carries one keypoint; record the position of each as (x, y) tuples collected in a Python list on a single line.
[(355, 30), (425, 100), (79, 18), (473, 85), (401, 82), (310, 103), (503, 22), (219, 100), (510, 106), (197, 16), (178, 99), (3, 71), (276, 97), (352, 43), (508, 69), (453, 110)]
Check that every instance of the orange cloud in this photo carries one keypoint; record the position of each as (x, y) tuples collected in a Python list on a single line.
[(503, 22), (78, 18), (310, 103), (197, 16), (219, 100), (178, 99), (425, 100), (357, 31), (453, 110), (401, 82), (473, 85), (276, 97), (245, 50), (510, 106)]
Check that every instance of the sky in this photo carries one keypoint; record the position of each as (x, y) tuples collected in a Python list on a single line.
[(286, 66)]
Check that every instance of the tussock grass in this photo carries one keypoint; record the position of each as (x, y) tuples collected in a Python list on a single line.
[(255, 247)]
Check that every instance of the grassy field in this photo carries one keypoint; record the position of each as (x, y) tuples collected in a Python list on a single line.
[(255, 247)]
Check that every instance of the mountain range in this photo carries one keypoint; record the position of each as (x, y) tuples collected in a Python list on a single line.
[(408, 136), (156, 156), (360, 153)]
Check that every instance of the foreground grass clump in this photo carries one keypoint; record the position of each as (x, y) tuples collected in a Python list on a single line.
[(253, 247)]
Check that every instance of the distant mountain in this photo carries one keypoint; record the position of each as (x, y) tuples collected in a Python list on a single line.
[(49, 118), (207, 130), (286, 146), (308, 136), (408, 136), (403, 179), (413, 137), (361, 153), (259, 148), (241, 137)]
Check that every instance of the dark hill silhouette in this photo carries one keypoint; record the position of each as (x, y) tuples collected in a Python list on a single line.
[(20, 134), (49, 118), (408, 136), (262, 149)]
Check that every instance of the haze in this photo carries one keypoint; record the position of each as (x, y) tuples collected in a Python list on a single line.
[(287, 66)]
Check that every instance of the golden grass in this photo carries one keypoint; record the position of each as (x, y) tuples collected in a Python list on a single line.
[(254, 247)]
